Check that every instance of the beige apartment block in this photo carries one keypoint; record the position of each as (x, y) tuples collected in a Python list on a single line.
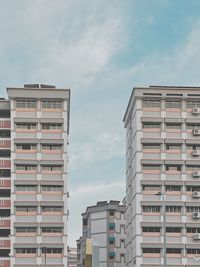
[(34, 127), (163, 177), (104, 229)]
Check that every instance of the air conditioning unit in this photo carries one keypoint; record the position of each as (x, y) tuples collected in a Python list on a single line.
[(196, 131), (196, 194), (195, 153), (196, 215), (196, 110), (196, 236), (196, 173)]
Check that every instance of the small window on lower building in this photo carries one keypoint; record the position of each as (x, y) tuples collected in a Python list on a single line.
[(112, 213), (111, 255), (111, 226)]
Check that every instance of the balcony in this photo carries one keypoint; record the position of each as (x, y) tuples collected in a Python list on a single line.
[(4, 244), (4, 133), (5, 233), (5, 263), (4, 124), (5, 203), (5, 144), (5, 163), (4, 253), (5, 183), (4, 223)]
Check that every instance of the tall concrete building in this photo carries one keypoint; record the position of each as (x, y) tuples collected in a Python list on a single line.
[(104, 228), (34, 126), (163, 177)]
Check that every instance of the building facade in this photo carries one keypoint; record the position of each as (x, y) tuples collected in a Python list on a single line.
[(163, 177), (72, 257), (34, 138), (104, 227)]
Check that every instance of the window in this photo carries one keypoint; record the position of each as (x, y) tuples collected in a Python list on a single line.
[(192, 126), (151, 209), (25, 104), (151, 250), (173, 168), (26, 250), (26, 126), (26, 229), (25, 167), (85, 222), (5, 173), (26, 188), (51, 209), (111, 226), (193, 250), (193, 230), (51, 168), (52, 229), (151, 187), (172, 188), (4, 133), (151, 103), (173, 208), (26, 146), (173, 250), (151, 146), (111, 240), (155, 125), (52, 104), (192, 104), (111, 255), (173, 104), (151, 229), (112, 213), (52, 250), (151, 167), (173, 229), (26, 209), (173, 147), (193, 209), (172, 126), (193, 147), (192, 188), (52, 147), (52, 188), (53, 126), (192, 167)]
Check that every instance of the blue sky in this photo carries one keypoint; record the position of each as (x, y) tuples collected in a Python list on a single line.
[(99, 49)]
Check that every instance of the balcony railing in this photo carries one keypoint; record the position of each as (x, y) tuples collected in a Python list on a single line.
[(4, 124), (5, 143)]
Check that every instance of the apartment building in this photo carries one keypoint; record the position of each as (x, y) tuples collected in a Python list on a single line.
[(5, 183), (163, 177), (34, 127), (72, 257), (104, 226)]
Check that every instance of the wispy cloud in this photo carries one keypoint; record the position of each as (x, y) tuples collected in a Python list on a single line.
[(103, 146)]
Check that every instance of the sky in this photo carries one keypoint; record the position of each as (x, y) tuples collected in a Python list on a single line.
[(100, 49)]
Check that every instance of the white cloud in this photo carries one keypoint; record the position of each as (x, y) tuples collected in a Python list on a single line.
[(77, 62), (88, 195), (101, 146), (179, 66)]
